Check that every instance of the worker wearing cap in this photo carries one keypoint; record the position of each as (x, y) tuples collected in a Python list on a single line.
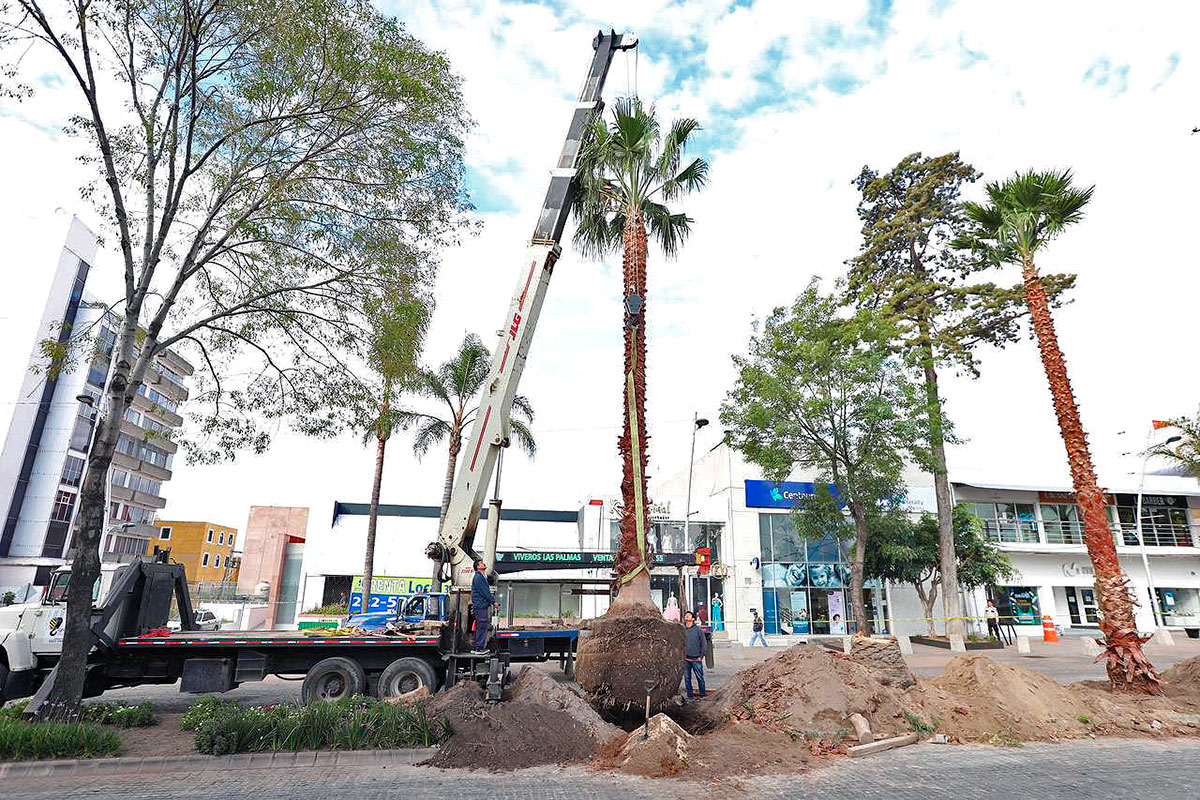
[(482, 600)]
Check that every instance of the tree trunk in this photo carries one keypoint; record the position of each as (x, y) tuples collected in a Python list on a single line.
[(448, 486), (947, 557), (928, 601), (65, 697), (856, 569), (1128, 667), (634, 549), (373, 516)]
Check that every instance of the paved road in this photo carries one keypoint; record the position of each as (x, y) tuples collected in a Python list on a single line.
[(1105, 768)]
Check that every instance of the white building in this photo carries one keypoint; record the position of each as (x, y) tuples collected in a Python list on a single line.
[(50, 434)]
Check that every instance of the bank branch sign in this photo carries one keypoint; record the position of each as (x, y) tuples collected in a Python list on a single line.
[(785, 494)]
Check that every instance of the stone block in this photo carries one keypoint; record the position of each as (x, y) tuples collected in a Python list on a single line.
[(905, 644), (957, 645), (1023, 644)]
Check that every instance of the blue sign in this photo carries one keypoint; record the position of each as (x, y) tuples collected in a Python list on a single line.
[(786, 494)]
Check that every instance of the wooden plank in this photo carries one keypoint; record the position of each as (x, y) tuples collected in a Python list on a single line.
[(883, 744)]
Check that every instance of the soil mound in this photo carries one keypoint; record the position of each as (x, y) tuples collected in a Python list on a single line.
[(534, 686), (1183, 679), (506, 736), (806, 691), (884, 656), (629, 645), (980, 700)]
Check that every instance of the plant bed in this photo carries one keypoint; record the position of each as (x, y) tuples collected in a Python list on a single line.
[(944, 643), (355, 723), (24, 741)]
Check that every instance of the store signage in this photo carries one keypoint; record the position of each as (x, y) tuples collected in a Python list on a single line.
[(1075, 570), (1069, 497), (386, 593), (567, 559), (784, 494), (1157, 500)]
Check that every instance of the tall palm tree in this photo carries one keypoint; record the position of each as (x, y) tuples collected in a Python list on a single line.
[(1022, 214), (628, 173), (457, 384)]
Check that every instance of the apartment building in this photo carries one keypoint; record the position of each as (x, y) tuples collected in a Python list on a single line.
[(206, 551)]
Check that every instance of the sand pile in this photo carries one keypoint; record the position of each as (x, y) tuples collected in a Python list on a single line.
[(806, 691), (537, 687), (510, 735), (1183, 679)]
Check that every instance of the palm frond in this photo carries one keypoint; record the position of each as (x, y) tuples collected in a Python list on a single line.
[(523, 436), (522, 406), (430, 432)]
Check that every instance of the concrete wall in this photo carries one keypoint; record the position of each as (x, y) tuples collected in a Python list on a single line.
[(268, 530)]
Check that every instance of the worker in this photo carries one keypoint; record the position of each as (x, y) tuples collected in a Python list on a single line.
[(482, 599), (992, 615), (694, 647)]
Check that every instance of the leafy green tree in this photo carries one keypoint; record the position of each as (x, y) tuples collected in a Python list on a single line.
[(456, 384), (821, 392), (261, 167), (942, 308), (1021, 216), (629, 173), (903, 550)]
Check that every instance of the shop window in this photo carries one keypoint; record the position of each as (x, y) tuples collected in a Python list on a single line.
[(1062, 523), (1018, 602)]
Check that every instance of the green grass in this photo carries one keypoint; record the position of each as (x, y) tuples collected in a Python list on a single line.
[(1004, 739), (13, 711), (327, 611), (1085, 719), (119, 715), (23, 741), (919, 725), (356, 723)]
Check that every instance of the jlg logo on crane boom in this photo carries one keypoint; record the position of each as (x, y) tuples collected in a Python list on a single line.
[(516, 323)]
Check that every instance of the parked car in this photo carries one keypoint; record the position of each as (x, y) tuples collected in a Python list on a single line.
[(205, 621)]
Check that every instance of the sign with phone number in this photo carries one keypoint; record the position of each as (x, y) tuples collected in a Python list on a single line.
[(387, 593)]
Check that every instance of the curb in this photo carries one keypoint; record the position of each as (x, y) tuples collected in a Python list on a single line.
[(237, 761)]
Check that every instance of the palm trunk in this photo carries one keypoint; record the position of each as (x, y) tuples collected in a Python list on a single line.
[(451, 465), (1128, 667), (947, 557), (634, 549), (856, 569), (373, 517)]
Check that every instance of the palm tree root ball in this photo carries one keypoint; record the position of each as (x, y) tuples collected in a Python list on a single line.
[(629, 645)]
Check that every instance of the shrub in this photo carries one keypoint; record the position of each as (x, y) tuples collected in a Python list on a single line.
[(33, 740), (919, 725), (122, 716), (356, 723), (203, 710), (332, 610), (14, 711)]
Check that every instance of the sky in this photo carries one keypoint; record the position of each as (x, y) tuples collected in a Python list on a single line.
[(794, 99)]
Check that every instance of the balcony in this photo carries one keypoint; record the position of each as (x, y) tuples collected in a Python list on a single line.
[(176, 391), (1063, 532), (168, 418), (1011, 532), (1156, 534), (153, 438)]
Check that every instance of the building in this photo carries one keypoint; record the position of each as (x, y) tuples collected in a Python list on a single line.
[(50, 434), (206, 551), (272, 552)]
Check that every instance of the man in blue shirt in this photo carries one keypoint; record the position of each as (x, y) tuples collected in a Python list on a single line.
[(482, 600), (694, 646)]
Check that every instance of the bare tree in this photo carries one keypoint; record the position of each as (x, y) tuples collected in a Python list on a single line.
[(264, 168)]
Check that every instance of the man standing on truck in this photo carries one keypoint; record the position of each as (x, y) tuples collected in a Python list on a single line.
[(694, 647), (482, 600)]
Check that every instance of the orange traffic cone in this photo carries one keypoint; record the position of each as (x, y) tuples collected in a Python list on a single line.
[(1049, 633)]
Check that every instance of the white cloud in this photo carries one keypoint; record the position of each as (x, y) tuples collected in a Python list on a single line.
[(1003, 83)]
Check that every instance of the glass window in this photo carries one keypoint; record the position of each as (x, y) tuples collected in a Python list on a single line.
[(72, 470), (210, 538), (81, 435), (231, 539), (204, 563), (1062, 523), (1007, 522), (164, 533), (1019, 604), (64, 506)]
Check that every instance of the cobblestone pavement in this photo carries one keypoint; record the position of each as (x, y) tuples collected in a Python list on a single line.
[(1106, 768)]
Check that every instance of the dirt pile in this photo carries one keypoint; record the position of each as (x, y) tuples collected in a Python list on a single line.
[(738, 748), (534, 686), (510, 735), (806, 691), (883, 656), (1183, 679), (629, 645)]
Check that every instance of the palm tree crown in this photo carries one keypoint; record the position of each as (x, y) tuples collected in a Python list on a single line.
[(1023, 213), (628, 168)]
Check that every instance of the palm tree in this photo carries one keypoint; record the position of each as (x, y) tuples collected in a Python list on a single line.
[(628, 173), (1022, 214), (399, 323), (457, 384)]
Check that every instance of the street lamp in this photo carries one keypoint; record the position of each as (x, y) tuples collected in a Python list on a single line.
[(698, 422), (1141, 539)]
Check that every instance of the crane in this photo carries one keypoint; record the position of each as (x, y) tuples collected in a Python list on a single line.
[(454, 546)]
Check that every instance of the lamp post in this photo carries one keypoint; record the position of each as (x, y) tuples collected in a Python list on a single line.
[(1158, 623), (698, 422)]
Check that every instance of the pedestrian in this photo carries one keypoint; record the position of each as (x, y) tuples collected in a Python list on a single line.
[(671, 613), (756, 625), (992, 615), (482, 600), (694, 645)]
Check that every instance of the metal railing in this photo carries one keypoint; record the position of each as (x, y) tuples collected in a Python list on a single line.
[(1156, 534), (1063, 532), (1011, 532)]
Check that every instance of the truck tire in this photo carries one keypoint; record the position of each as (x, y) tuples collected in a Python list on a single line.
[(333, 679), (3, 681), (405, 675)]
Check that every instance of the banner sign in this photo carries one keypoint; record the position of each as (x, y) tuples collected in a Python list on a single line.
[(786, 494), (837, 614), (386, 593)]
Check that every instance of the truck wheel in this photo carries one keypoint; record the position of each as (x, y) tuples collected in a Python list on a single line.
[(333, 679), (405, 675)]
